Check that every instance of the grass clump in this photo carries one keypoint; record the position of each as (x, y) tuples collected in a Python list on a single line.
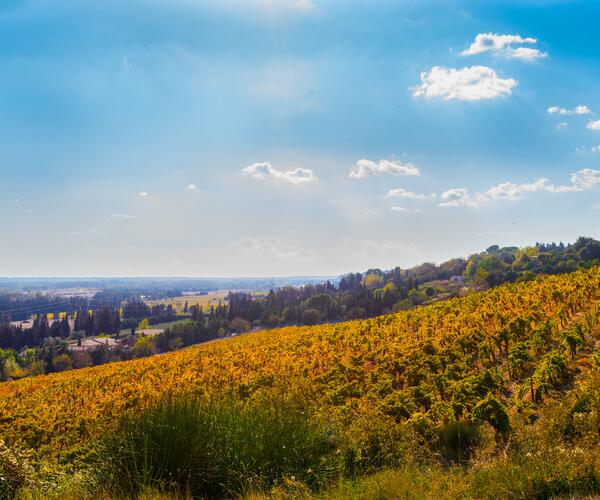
[(214, 448)]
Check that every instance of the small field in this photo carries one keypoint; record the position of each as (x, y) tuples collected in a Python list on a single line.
[(211, 299)]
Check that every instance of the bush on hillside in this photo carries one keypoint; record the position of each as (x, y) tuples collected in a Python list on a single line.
[(212, 448)]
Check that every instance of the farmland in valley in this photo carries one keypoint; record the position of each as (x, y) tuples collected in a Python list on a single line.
[(490, 362)]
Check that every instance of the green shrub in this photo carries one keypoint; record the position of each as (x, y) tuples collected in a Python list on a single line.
[(212, 448), (458, 439), (16, 471)]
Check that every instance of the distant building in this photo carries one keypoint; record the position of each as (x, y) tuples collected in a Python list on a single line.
[(90, 344), (458, 279)]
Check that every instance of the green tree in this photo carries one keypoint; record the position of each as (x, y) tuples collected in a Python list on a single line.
[(310, 317), (62, 362), (143, 346)]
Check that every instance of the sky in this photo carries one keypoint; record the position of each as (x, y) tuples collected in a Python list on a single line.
[(292, 137)]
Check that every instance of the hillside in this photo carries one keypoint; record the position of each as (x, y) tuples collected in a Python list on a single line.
[(439, 362)]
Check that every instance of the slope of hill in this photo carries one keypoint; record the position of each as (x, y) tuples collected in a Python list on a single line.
[(485, 361)]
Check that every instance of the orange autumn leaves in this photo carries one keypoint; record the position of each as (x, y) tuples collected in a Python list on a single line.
[(412, 361)]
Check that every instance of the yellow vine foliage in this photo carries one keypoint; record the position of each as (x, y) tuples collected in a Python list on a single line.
[(340, 367)]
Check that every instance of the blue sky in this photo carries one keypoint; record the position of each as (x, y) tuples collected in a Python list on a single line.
[(282, 137)]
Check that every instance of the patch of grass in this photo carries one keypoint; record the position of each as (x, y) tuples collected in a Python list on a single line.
[(211, 448)]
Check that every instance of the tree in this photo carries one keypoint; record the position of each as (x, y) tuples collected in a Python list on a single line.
[(82, 359), (143, 346), (310, 317), (493, 412), (144, 325), (323, 303), (62, 362), (240, 325), (37, 368)]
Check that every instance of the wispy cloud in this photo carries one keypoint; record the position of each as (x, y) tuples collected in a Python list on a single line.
[(511, 191), (582, 180), (265, 171), (582, 109), (460, 197), (403, 193), (397, 208), (503, 44), (123, 216), (526, 54), (191, 187), (364, 167), (594, 125), (273, 248), (376, 248), (467, 84)]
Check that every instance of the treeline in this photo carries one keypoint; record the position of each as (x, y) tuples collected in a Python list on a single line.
[(379, 292), (199, 328), (19, 307), (135, 310), (51, 345), (509, 264), (56, 354), (55, 345)]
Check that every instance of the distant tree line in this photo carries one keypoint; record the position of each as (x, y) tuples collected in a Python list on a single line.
[(376, 292)]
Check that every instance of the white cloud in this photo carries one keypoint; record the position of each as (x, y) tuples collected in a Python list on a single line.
[(191, 187), (485, 42), (561, 125), (460, 197), (403, 193), (397, 208), (123, 216), (596, 149), (582, 180), (594, 125), (467, 84), (265, 171), (365, 167), (144, 194), (273, 248), (526, 54), (510, 191), (582, 109)]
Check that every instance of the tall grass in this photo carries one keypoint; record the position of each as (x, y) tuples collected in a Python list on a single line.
[(214, 448)]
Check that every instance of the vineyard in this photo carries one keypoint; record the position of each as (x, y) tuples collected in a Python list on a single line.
[(490, 359)]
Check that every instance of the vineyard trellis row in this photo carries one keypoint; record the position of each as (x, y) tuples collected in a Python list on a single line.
[(453, 359)]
